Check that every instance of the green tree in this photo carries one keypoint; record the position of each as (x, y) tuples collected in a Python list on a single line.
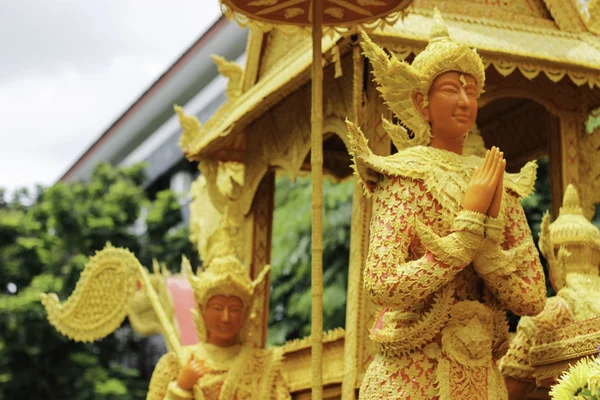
[(45, 239), (290, 308)]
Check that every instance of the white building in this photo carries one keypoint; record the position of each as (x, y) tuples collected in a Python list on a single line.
[(149, 130)]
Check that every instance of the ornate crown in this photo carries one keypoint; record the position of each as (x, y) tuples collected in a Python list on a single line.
[(442, 54), (224, 273), (398, 80)]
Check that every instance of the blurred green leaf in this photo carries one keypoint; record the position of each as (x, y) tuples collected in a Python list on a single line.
[(46, 238), (290, 301)]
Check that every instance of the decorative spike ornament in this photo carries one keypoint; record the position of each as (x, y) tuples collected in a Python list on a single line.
[(192, 129), (233, 72)]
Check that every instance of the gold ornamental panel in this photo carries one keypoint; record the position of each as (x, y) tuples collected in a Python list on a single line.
[(297, 12)]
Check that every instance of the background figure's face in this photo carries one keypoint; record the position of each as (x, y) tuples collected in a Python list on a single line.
[(224, 317), (452, 107)]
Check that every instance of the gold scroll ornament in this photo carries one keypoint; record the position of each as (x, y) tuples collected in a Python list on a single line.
[(102, 296)]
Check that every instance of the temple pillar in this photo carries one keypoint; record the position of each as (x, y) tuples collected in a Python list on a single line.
[(258, 227), (565, 156)]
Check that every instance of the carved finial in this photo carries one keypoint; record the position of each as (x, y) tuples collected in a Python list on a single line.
[(439, 30), (576, 234), (233, 72), (571, 203), (192, 129)]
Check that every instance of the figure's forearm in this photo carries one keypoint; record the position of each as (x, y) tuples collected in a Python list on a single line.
[(513, 275), (389, 282), (458, 248)]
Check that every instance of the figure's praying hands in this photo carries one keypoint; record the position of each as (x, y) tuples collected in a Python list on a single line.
[(496, 203), (484, 191)]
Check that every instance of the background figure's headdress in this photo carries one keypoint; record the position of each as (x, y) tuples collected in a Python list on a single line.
[(223, 274), (398, 80)]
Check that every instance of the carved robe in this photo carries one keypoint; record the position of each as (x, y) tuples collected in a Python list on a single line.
[(443, 277), (236, 373)]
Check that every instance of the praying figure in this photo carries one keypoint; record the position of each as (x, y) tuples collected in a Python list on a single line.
[(222, 365), (449, 247)]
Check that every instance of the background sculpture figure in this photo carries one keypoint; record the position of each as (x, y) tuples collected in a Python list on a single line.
[(450, 247), (222, 365), (571, 244)]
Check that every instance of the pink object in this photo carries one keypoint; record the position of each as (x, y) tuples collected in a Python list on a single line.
[(183, 302)]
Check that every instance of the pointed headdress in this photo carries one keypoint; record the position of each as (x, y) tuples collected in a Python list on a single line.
[(223, 274), (398, 80)]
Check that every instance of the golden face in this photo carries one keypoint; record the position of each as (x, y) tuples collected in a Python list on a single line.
[(224, 318), (452, 107)]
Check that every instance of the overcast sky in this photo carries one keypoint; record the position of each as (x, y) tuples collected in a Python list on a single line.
[(69, 68)]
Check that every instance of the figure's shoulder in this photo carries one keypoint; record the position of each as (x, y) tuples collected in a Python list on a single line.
[(168, 360), (521, 184), (413, 163), (165, 372)]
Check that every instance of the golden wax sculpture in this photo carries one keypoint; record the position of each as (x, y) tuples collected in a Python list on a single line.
[(103, 297), (265, 15), (223, 365), (441, 273), (541, 61), (569, 326)]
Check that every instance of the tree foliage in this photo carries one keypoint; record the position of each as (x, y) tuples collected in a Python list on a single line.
[(290, 308), (45, 239)]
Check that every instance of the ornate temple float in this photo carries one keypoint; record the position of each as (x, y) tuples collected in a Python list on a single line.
[(542, 66), (542, 60)]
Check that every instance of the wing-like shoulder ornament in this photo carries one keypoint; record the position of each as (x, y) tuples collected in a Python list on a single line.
[(98, 305), (361, 153), (397, 81)]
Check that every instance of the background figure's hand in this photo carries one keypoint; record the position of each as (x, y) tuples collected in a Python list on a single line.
[(191, 372), (483, 184), (494, 209)]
